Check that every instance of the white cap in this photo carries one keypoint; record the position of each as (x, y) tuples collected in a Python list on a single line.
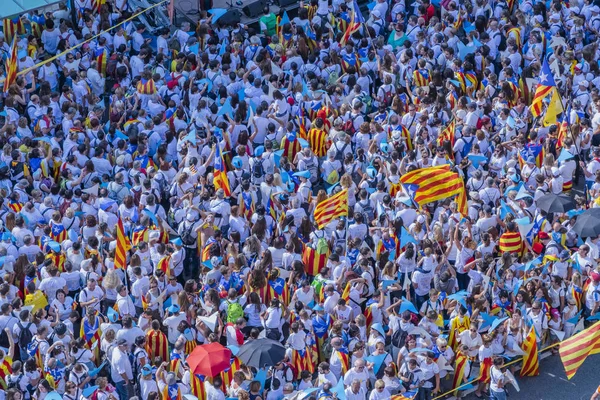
[(376, 13), (555, 171), (584, 83)]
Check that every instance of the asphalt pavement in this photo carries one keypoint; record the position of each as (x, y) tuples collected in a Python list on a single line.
[(552, 383)]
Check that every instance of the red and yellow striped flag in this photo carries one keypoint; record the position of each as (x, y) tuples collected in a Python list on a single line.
[(313, 261), (574, 350), (434, 183), (449, 134), (531, 361), (11, 66), (510, 242), (346, 292), (123, 246), (164, 264), (157, 345), (332, 208)]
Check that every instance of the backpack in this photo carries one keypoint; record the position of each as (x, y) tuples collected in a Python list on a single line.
[(333, 76), (349, 125), (258, 170), (4, 342), (14, 384), (111, 66), (134, 362), (322, 245), (399, 338), (388, 96), (312, 168), (234, 312), (502, 45), (174, 43), (339, 153), (163, 187), (467, 147), (186, 236), (25, 338), (368, 211)]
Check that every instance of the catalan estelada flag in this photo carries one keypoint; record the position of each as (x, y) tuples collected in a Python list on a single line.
[(356, 19), (197, 385), (58, 232), (171, 392), (58, 259), (37, 25), (227, 375), (313, 261), (546, 87), (431, 184), (157, 345), (11, 66), (563, 132), (405, 133), (532, 150), (531, 362), (302, 361), (278, 289), (332, 208), (421, 77), (13, 27), (350, 60), (220, 179), (510, 242), (460, 366), (123, 246), (140, 233), (146, 86), (574, 350), (344, 357), (271, 209), (448, 134), (577, 294), (101, 59), (206, 250), (246, 202), (408, 395), (91, 334), (302, 132)]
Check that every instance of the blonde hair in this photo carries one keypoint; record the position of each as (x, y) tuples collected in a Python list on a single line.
[(361, 320), (111, 280)]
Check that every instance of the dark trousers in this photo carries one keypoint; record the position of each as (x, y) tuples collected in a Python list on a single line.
[(462, 280), (191, 264)]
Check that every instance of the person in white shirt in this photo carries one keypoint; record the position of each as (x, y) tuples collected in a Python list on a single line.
[(95, 80), (120, 369), (272, 320), (358, 372), (355, 391), (380, 392)]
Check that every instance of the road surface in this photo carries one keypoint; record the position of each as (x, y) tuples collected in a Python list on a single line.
[(552, 383)]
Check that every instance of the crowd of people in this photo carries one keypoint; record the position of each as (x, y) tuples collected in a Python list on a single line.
[(158, 190)]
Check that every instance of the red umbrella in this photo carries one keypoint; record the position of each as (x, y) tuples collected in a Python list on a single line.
[(209, 359)]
